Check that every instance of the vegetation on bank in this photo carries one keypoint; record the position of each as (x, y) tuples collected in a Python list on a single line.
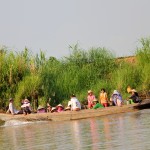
[(24, 75)]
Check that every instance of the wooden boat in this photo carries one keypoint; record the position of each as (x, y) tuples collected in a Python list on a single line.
[(144, 105), (75, 115)]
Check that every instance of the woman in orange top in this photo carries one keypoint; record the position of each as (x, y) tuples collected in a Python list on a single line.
[(103, 98)]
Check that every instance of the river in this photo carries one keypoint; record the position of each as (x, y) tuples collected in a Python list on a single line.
[(127, 131)]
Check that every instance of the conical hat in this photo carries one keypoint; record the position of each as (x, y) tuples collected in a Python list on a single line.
[(53, 108), (95, 100), (59, 105), (40, 107), (90, 91), (67, 108), (133, 90), (26, 100)]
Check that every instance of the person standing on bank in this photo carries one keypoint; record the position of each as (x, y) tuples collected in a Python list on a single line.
[(103, 99)]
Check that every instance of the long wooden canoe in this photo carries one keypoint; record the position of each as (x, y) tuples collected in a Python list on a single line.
[(74, 115)]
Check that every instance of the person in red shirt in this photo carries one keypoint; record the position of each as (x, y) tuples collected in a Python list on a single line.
[(90, 99)]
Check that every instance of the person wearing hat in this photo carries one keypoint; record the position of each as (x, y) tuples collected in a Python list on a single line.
[(96, 104), (26, 107), (68, 108), (49, 107), (134, 98), (116, 98), (60, 108), (54, 109), (11, 108), (41, 109), (74, 103), (90, 99)]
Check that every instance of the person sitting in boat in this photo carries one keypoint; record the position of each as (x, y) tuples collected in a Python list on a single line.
[(12, 109), (103, 99), (41, 109), (49, 107), (53, 110), (26, 107), (116, 98), (90, 99), (75, 104), (134, 98), (69, 103), (68, 108), (96, 104), (60, 108)]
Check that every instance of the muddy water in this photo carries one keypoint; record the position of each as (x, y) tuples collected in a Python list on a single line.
[(119, 132)]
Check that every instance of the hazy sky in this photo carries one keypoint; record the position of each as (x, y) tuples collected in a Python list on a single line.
[(53, 25)]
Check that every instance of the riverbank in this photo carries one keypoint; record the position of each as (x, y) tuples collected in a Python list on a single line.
[(70, 115)]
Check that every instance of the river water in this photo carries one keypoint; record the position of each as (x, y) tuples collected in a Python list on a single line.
[(128, 131)]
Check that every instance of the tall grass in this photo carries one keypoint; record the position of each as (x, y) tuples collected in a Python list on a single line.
[(136, 75), (143, 63), (25, 75)]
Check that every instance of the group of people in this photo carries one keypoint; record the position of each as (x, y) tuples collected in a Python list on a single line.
[(75, 105), (115, 99), (103, 100), (25, 107)]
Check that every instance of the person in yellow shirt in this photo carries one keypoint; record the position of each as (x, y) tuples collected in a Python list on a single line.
[(103, 99)]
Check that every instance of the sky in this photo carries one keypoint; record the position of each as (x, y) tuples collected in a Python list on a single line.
[(53, 25)]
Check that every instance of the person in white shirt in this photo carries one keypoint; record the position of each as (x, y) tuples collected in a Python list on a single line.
[(26, 107), (75, 104), (11, 108)]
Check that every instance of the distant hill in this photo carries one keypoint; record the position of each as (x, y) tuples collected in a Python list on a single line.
[(130, 59)]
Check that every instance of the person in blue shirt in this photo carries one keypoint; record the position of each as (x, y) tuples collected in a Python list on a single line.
[(116, 98)]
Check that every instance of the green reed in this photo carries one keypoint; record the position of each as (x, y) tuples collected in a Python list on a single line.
[(24, 75)]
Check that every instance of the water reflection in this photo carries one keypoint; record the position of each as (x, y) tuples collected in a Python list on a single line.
[(107, 127), (94, 133), (119, 131), (14, 138), (76, 134), (107, 135)]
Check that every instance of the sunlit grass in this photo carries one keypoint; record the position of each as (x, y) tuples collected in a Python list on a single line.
[(25, 75)]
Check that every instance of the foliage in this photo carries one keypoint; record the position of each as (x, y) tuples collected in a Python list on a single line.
[(143, 63), (51, 80)]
